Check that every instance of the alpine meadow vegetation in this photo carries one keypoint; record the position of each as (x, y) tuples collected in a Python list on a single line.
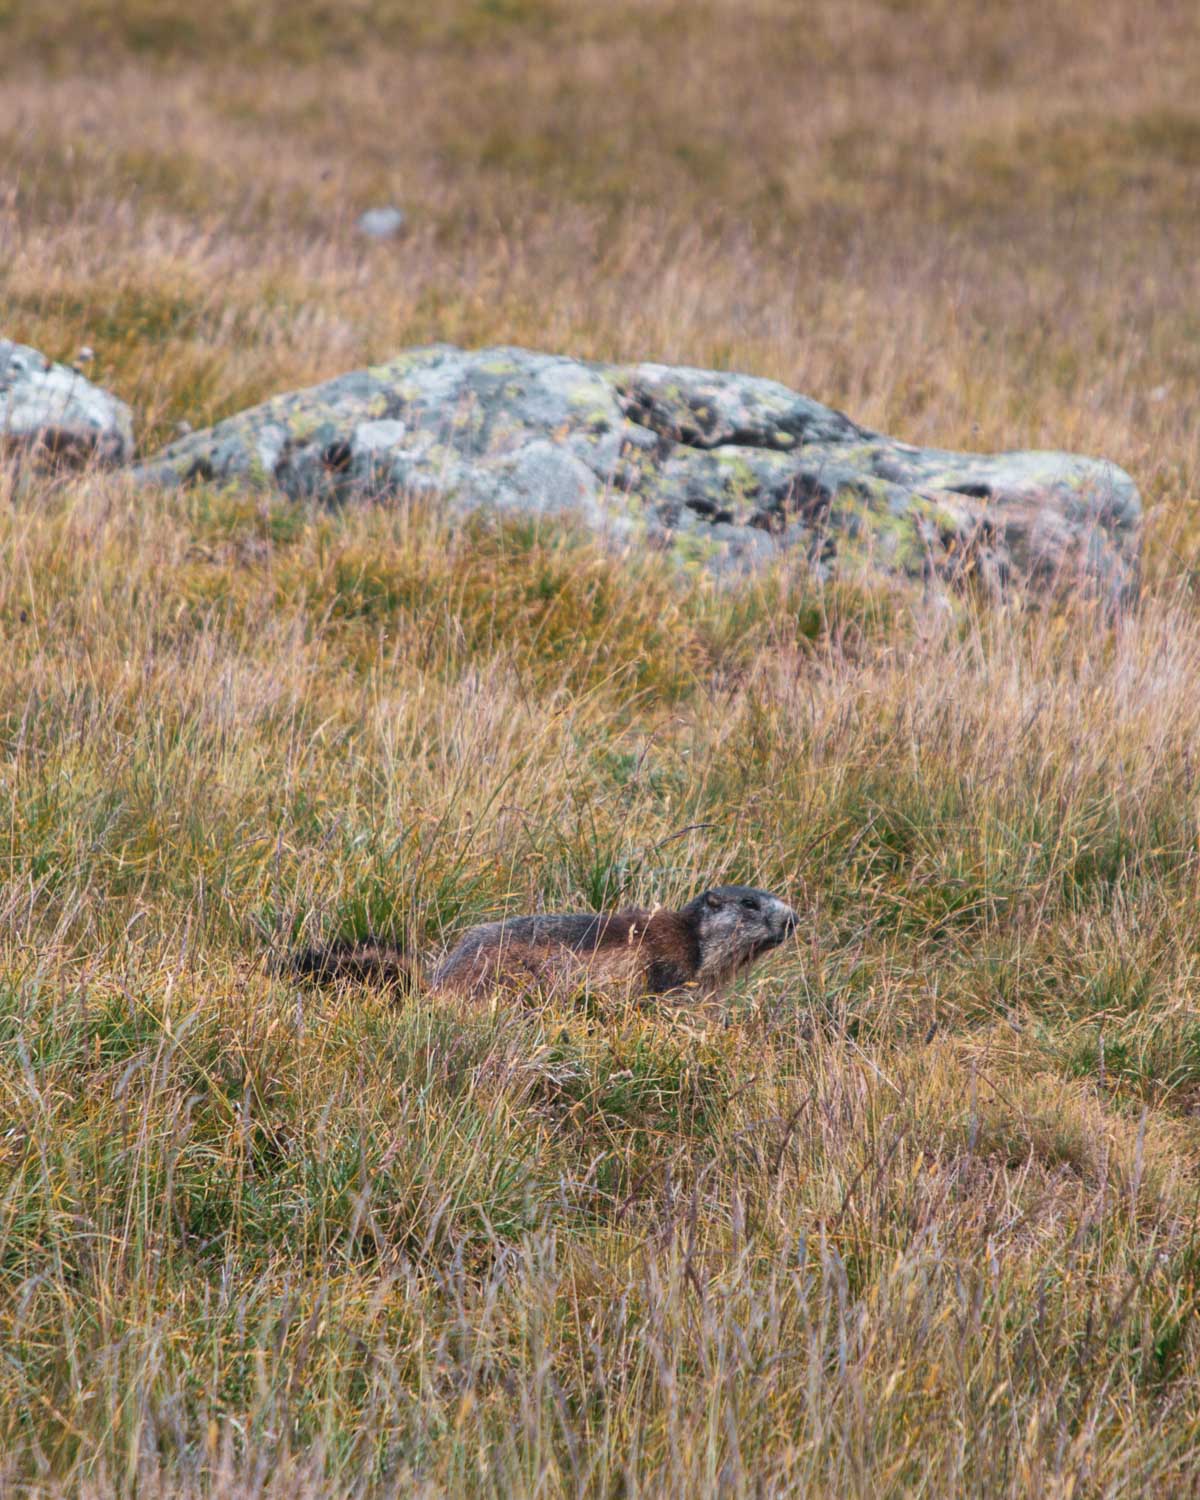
[(919, 1215)]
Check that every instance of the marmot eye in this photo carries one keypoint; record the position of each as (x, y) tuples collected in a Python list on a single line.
[(749, 903)]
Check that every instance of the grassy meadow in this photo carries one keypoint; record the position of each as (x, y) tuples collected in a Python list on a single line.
[(921, 1215)]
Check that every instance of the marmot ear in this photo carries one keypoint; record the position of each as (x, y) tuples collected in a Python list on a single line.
[(714, 900)]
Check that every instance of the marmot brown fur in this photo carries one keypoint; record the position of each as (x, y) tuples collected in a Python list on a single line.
[(643, 953)]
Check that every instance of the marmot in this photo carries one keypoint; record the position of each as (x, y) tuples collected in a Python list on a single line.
[(643, 953)]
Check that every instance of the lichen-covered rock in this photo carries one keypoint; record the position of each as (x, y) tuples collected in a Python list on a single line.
[(52, 412), (730, 471)]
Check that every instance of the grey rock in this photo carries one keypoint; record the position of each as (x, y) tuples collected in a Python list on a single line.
[(52, 412), (382, 223), (731, 472)]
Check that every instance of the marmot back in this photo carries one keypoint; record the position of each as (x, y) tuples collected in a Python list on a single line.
[(701, 947)]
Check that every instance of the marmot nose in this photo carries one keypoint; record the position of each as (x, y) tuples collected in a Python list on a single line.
[(789, 921)]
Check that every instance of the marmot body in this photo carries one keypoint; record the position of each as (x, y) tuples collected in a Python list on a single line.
[(643, 953)]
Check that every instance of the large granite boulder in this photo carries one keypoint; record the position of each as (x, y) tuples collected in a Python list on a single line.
[(53, 413), (730, 471)]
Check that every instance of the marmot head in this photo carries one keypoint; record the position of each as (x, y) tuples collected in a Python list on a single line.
[(735, 924)]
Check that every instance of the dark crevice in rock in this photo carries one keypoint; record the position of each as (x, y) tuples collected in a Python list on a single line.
[(809, 496), (715, 513), (199, 471), (337, 457), (782, 432)]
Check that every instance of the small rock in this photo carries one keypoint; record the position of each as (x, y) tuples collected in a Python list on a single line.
[(382, 223), (53, 412)]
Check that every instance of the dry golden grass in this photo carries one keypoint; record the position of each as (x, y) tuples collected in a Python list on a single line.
[(921, 1219)]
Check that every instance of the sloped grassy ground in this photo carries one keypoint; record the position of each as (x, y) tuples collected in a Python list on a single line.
[(921, 1214), (921, 1218)]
